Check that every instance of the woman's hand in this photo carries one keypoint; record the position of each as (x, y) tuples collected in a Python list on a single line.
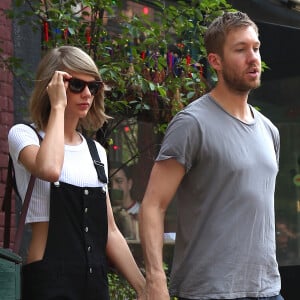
[(57, 89)]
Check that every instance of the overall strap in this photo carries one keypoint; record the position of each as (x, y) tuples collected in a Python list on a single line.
[(96, 159)]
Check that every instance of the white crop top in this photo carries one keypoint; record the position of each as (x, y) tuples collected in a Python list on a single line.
[(78, 169)]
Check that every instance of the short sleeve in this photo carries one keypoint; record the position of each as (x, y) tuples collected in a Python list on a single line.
[(182, 140), (19, 137)]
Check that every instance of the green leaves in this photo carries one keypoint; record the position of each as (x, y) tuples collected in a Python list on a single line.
[(132, 51)]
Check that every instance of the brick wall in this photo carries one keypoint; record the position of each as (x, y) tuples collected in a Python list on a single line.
[(6, 103)]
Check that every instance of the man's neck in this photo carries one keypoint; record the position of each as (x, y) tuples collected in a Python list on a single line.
[(235, 104)]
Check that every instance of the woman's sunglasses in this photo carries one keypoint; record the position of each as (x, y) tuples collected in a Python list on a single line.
[(76, 85)]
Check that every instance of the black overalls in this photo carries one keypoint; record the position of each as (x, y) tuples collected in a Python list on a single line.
[(74, 265)]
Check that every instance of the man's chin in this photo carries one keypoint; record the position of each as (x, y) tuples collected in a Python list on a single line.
[(256, 85)]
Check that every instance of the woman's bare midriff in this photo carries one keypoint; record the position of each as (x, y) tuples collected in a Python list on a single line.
[(38, 241)]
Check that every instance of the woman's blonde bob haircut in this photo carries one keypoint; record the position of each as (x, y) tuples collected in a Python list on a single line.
[(68, 59)]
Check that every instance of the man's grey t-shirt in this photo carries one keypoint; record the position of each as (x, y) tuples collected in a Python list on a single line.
[(225, 240)]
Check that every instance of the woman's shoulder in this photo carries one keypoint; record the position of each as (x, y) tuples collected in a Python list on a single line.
[(100, 147), (101, 150), (20, 136), (19, 127), (22, 131)]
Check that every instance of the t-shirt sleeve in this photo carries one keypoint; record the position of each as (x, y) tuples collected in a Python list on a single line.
[(182, 140), (19, 137)]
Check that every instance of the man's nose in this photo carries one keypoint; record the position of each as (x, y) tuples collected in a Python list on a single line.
[(253, 55)]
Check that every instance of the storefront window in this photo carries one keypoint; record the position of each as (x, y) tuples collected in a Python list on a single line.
[(278, 99)]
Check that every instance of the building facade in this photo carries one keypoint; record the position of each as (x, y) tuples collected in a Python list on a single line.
[(6, 103)]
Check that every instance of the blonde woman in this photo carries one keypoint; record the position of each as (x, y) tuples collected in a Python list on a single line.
[(73, 228)]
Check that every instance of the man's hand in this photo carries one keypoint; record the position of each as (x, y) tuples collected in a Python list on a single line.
[(156, 290)]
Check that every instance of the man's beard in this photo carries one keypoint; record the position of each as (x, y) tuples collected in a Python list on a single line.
[(236, 83)]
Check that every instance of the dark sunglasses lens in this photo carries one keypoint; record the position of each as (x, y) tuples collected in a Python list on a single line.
[(76, 85), (94, 87)]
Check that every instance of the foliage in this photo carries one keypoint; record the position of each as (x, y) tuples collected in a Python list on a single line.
[(152, 65), (119, 287)]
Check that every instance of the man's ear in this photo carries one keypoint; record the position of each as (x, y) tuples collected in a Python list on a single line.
[(215, 61)]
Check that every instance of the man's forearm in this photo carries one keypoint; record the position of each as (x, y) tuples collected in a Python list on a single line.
[(151, 220)]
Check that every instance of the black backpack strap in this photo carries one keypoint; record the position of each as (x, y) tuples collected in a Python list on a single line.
[(35, 130), (6, 205), (96, 159)]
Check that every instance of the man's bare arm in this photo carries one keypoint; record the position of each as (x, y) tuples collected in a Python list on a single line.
[(164, 180)]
